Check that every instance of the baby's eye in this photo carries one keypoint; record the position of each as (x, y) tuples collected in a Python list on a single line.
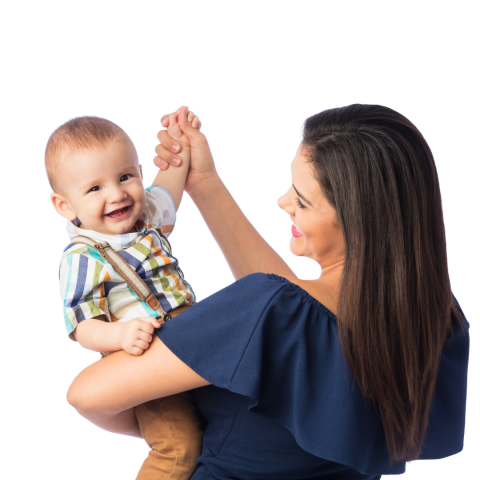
[(94, 189), (125, 177)]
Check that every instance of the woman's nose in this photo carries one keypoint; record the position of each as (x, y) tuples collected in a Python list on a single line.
[(285, 204)]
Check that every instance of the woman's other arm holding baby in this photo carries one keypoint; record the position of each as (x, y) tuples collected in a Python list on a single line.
[(107, 398)]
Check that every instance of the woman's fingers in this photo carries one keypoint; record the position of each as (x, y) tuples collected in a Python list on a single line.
[(165, 157), (166, 120), (187, 127), (160, 163), (165, 150), (168, 142), (194, 120), (183, 115)]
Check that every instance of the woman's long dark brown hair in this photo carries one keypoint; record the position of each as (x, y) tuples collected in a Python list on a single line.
[(396, 306)]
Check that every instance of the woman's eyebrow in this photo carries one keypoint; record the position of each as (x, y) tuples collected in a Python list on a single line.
[(301, 196)]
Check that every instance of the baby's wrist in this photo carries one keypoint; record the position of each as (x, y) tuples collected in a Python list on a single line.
[(184, 154), (119, 330)]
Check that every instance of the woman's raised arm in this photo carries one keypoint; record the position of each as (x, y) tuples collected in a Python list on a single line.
[(244, 248)]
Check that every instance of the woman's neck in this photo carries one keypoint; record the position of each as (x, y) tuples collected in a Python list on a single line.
[(325, 289)]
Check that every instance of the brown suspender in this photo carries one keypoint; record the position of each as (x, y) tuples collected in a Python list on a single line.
[(127, 272)]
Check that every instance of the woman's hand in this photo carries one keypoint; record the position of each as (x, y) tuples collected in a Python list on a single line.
[(202, 166), (245, 250)]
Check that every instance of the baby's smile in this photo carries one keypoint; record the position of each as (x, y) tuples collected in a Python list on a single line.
[(120, 213), (105, 190)]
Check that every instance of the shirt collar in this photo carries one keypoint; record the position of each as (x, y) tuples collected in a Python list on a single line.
[(117, 242)]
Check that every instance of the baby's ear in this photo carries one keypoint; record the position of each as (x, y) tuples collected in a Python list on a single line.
[(61, 205)]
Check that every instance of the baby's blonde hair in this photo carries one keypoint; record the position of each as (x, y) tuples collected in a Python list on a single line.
[(81, 133)]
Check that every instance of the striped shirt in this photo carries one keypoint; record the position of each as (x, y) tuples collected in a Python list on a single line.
[(89, 285)]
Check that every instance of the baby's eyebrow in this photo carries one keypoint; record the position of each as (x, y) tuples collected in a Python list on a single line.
[(88, 184), (301, 196)]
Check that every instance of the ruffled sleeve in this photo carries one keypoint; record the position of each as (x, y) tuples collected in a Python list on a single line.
[(267, 339)]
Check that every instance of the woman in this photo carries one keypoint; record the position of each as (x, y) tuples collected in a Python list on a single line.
[(347, 376)]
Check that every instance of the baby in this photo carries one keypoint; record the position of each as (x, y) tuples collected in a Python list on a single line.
[(93, 169)]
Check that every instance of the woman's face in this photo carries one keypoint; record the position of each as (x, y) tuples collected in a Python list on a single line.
[(315, 231)]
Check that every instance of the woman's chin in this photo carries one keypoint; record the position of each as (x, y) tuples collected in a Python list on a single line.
[(296, 247)]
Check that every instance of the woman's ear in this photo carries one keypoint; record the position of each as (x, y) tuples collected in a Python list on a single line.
[(61, 205)]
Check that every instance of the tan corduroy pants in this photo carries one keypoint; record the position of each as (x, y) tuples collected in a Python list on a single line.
[(172, 428)]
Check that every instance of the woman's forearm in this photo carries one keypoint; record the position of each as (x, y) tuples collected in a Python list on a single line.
[(124, 423), (106, 391), (244, 248)]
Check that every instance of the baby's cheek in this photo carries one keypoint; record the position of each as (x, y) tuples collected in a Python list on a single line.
[(91, 211), (142, 198)]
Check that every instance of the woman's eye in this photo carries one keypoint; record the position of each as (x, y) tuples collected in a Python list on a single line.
[(125, 177), (94, 189), (300, 204)]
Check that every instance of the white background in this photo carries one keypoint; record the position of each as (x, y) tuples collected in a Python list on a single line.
[(253, 71)]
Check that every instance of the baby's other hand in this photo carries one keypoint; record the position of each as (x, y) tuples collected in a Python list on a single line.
[(136, 334)]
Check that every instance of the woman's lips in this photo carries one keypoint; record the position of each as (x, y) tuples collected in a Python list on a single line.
[(119, 214), (295, 232)]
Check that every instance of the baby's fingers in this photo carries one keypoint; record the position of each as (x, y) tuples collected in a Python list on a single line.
[(141, 344), (145, 337), (165, 121), (194, 120), (135, 351), (148, 324)]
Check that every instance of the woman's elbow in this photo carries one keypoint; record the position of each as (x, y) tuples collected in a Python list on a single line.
[(74, 396), (82, 397)]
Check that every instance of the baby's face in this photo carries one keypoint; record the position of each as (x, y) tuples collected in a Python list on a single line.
[(104, 188)]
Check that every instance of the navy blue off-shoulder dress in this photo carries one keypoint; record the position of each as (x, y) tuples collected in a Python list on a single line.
[(283, 405)]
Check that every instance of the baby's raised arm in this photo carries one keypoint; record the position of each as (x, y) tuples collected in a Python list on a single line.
[(244, 248), (173, 179)]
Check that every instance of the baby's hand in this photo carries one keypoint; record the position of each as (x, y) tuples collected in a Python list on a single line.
[(136, 334), (174, 121)]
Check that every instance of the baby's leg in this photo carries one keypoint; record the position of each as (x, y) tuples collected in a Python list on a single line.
[(172, 428)]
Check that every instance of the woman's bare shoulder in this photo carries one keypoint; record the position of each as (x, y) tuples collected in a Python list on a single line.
[(319, 290)]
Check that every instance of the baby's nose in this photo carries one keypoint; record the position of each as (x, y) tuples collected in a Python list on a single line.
[(116, 194)]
